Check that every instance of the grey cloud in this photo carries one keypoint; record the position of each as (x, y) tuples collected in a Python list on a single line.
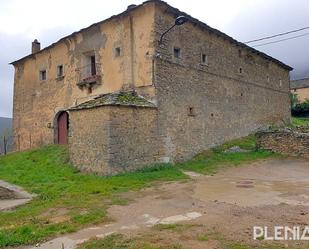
[(14, 47), (271, 17), (262, 18)]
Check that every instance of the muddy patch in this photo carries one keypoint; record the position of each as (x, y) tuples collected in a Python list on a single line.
[(270, 183), (228, 204)]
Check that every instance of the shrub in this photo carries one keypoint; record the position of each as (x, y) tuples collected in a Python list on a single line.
[(301, 109)]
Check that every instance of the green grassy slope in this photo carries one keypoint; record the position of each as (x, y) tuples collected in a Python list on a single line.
[(68, 200)]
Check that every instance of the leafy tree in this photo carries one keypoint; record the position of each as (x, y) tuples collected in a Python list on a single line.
[(294, 99)]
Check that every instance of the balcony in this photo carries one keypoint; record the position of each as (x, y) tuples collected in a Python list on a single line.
[(89, 75)]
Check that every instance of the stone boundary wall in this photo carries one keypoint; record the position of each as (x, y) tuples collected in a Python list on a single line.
[(286, 141)]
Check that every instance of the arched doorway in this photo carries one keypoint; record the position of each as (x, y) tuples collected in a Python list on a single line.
[(62, 128)]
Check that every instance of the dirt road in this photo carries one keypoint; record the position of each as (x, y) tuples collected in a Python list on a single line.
[(265, 193)]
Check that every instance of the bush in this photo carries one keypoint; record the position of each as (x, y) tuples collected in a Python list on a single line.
[(301, 109)]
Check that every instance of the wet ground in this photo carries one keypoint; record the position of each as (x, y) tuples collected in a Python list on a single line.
[(268, 183), (230, 203)]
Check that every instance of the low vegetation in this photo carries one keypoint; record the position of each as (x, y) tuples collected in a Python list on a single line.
[(300, 121), (209, 162), (68, 199), (177, 236), (301, 109)]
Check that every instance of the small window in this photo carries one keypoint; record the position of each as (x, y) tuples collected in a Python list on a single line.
[(117, 52), (191, 111), (89, 90), (93, 65), (60, 71), (176, 52), (280, 82), (239, 53), (240, 70), (42, 75), (204, 59)]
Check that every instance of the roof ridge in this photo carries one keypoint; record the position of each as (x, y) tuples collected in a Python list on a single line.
[(192, 19)]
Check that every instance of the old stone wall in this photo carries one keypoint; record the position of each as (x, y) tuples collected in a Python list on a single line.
[(37, 102), (287, 142), (204, 104), (89, 138), (114, 139), (134, 140)]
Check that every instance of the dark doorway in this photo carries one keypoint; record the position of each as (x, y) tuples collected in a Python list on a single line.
[(93, 66), (63, 128)]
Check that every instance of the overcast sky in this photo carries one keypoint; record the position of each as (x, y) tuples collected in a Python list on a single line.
[(49, 20)]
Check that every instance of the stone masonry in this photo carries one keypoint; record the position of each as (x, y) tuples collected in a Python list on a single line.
[(290, 142), (145, 102)]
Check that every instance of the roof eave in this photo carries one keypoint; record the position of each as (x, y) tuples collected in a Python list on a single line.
[(192, 19)]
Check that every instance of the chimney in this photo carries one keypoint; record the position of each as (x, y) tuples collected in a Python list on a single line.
[(36, 46), (131, 6)]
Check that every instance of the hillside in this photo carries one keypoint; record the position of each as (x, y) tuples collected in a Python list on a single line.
[(5, 125), (6, 130)]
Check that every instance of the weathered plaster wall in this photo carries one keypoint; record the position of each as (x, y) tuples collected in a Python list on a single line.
[(116, 140), (37, 102), (226, 103)]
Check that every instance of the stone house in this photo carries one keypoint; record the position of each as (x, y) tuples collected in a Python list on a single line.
[(301, 88), (121, 100)]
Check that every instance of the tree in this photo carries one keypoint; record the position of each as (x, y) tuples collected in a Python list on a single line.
[(294, 99)]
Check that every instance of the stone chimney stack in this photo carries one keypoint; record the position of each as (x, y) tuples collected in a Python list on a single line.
[(36, 46)]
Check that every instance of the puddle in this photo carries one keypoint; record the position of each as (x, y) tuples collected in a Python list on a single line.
[(288, 186)]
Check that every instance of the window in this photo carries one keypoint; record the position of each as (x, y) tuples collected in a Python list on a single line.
[(42, 75), (191, 111), (117, 52), (280, 82), (176, 52), (93, 65), (204, 59), (239, 53), (240, 70), (60, 71)]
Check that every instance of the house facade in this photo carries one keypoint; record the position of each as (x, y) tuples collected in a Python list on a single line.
[(301, 88), (121, 100)]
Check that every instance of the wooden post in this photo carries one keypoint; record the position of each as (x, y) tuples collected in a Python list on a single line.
[(4, 145)]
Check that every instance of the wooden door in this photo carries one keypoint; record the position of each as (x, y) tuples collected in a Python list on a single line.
[(63, 125)]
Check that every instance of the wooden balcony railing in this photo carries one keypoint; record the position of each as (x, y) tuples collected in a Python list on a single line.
[(89, 74)]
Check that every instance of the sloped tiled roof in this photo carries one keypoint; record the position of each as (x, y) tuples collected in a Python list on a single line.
[(177, 12), (302, 83), (115, 99)]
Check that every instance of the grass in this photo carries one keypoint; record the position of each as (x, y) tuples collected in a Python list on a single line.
[(296, 121), (64, 194), (170, 238), (68, 200), (119, 241), (211, 161)]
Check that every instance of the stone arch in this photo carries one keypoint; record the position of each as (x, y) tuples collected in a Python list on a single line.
[(61, 127)]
